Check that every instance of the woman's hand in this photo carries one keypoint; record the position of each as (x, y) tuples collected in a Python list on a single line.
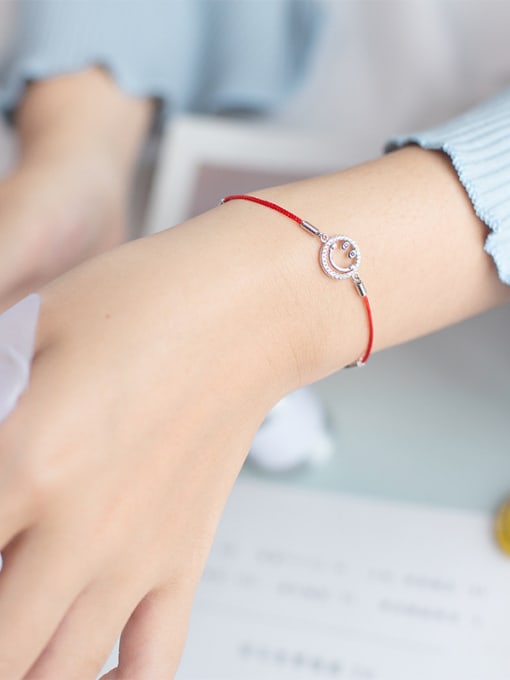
[(66, 199), (149, 382), (155, 365)]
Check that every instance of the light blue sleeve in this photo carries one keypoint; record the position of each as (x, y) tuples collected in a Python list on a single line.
[(195, 55), (478, 143)]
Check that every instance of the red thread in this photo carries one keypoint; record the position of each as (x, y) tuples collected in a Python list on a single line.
[(370, 344), (261, 201), (274, 206)]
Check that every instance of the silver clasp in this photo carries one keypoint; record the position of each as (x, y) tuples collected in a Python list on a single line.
[(356, 278)]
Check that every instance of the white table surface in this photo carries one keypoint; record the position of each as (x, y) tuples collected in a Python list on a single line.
[(427, 422)]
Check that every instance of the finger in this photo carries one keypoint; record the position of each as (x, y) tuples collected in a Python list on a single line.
[(82, 642), (15, 517), (41, 577), (153, 639)]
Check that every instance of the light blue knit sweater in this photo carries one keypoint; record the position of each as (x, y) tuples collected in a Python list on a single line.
[(218, 55)]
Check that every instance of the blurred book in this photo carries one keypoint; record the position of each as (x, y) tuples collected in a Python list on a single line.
[(303, 585)]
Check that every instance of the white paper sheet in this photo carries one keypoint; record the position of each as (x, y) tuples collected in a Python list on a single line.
[(18, 326), (302, 585)]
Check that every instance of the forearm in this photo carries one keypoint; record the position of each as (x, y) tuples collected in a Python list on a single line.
[(248, 281)]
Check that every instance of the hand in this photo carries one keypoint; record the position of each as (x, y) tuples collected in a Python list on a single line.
[(66, 199), (155, 365), (146, 393)]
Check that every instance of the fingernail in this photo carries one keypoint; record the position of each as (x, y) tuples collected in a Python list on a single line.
[(18, 326)]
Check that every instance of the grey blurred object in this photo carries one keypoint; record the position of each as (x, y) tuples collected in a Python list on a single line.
[(294, 433), (18, 327)]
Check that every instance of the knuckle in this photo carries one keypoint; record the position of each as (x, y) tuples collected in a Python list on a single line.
[(26, 470)]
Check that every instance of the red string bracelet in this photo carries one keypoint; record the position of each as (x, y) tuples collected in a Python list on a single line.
[(349, 249)]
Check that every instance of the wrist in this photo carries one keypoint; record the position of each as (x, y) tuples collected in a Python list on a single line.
[(259, 278), (79, 115), (423, 260)]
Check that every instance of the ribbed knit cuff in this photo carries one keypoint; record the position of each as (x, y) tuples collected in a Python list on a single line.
[(478, 143)]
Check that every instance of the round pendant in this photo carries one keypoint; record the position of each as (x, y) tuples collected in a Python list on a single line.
[(348, 252)]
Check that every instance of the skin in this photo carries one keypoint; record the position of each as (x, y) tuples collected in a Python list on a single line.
[(149, 350), (66, 198)]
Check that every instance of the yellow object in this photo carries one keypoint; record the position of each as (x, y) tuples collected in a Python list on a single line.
[(503, 527)]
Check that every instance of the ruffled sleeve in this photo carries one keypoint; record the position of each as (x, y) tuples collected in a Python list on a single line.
[(478, 143), (195, 55)]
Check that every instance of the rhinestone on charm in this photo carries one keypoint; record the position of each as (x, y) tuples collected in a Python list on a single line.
[(350, 252)]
